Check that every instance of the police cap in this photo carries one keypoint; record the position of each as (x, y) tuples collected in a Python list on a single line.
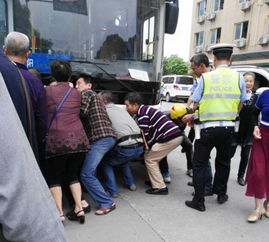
[(222, 48)]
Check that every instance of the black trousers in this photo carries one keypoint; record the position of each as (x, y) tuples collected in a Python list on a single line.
[(64, 168), (245, 150), (220, 138), (187, 146)]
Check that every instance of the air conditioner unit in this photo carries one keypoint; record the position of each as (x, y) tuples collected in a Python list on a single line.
[(241, 43), (201, 19), (208, 48), (211, 16), (245, 6), (266, 1), (264, 40), (198, 49)]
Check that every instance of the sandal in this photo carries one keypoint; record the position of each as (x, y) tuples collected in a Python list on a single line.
[(76, 217), (105, 210)]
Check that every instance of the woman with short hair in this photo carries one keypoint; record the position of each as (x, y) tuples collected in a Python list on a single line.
[(67, 141)]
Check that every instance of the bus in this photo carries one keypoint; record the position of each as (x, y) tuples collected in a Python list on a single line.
[(118, 42)]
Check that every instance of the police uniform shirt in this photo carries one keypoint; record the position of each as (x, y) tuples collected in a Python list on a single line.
[(197, 96)]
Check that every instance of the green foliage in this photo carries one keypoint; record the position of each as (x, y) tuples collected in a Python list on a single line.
[(174, 65)]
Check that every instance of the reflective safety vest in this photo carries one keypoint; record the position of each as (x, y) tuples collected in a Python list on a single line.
[(221, 95)]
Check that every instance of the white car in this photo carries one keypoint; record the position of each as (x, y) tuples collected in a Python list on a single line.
[(175, 87), (262, 74)]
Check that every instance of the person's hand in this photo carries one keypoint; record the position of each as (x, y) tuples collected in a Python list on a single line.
[(188, 118), (257, 133)]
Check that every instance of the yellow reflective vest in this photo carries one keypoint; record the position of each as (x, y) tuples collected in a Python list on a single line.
[(221, 95)]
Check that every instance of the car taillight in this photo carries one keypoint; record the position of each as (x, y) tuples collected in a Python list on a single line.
[(176, 87)]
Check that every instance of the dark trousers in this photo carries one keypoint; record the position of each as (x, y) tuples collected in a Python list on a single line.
[(191, 135), (187, 146), (64, 168), (163, 164), (245, 151), (220, 138)]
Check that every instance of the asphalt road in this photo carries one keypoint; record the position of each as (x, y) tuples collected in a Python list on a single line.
[(140, 217)]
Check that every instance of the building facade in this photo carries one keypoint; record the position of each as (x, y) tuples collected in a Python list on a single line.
[(244, 23)]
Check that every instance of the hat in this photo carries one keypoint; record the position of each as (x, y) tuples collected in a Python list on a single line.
[(178, 110), (222, 47)]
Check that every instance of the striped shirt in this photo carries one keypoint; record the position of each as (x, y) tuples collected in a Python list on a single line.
[(156, 126)]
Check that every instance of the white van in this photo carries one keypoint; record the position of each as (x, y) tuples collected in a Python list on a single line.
[(176, 87)]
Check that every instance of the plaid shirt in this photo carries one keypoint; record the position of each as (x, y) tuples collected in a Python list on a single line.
[(94, 116)]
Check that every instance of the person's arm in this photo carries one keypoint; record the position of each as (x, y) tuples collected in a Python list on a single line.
[(85, 102), (255, 119), (196, 97), (42, 114), (243, 95), (197, 94), (189, 102)]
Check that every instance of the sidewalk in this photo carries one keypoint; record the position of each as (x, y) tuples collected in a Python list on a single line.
[(140, 217)]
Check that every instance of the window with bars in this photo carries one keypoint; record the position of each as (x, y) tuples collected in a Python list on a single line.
[(241, 30)]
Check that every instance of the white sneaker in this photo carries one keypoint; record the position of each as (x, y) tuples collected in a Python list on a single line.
[(167, 179)]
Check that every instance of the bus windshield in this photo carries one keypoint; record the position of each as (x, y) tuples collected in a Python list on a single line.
[(118, 35)]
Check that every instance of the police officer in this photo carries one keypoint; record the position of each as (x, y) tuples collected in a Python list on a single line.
[(218, 96)]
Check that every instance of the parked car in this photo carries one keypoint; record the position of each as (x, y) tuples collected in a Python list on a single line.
[(175, 87), (262, 74)]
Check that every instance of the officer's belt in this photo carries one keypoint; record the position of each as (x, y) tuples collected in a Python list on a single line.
[(128, 137), (212, 124)]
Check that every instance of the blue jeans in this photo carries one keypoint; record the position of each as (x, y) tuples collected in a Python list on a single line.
[(88, 173), (119, 156)]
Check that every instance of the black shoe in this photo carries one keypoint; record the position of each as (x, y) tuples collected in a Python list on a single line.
[(190, 184), (148, 183), (198, 206), (222, 198), (75, 217), (241, 181), (158, 191)]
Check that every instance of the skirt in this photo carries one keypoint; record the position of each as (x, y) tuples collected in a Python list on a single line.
[(257, 177)]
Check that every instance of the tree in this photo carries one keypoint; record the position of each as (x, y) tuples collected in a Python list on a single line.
[(174, 65)]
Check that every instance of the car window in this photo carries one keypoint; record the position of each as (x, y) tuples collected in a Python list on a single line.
[(165, 80), (184, 80), (171, 80)]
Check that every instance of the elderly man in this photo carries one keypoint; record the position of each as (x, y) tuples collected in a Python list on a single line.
[(161, 134), (129, 145), (27, 211), (17, 50)]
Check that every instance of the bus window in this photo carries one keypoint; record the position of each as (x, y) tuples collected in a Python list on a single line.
[(3, 21), (148, 38)]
